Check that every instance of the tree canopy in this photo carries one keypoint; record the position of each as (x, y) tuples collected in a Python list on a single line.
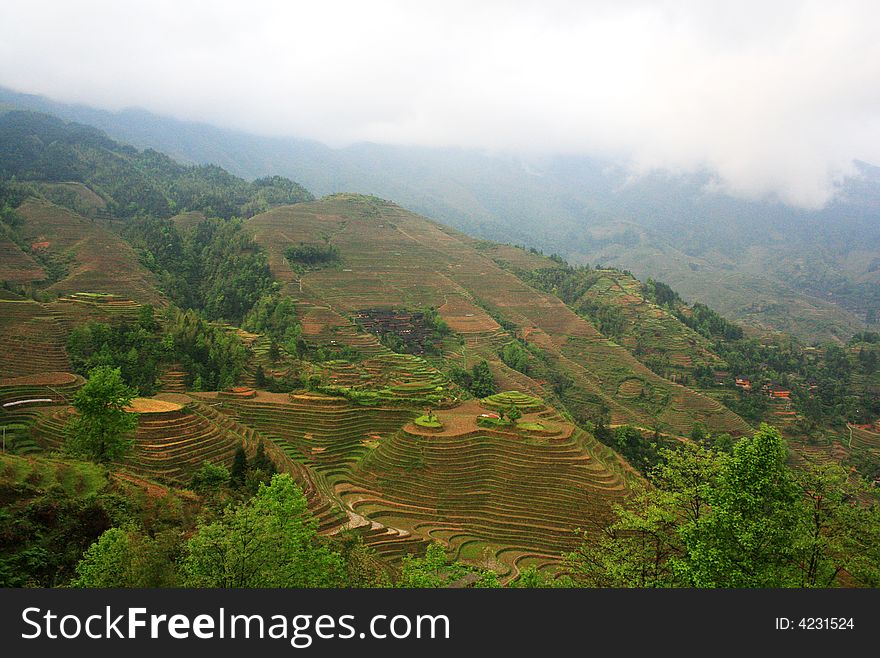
[(100, 429), (269, 541), (746, 519)]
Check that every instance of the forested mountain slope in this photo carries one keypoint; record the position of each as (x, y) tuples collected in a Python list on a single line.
[(808, 272)]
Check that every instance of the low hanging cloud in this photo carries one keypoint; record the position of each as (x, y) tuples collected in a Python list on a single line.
[(777, 98)]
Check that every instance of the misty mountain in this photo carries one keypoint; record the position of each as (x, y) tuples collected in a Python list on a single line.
[(771, 266)]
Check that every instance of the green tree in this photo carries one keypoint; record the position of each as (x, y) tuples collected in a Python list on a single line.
[(482, 382), (699, 433), (101, 428), (268, 541), (262, 461), (260, 470), (147, 319), (260, 377), (837, 534), (640, 548), (516, 356), (363, 567), (748, 539), (239, 467), (125, 557), (531, 578), (435, 569), (209, 477), (429, 571), (712, 519)]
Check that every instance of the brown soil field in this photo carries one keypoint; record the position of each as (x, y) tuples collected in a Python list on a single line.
[(464, 317), (152, 406), (42, 379)]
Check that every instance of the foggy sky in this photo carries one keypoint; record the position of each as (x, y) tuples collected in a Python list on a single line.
[(777, 97)]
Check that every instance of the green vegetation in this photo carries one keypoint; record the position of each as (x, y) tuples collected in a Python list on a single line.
[(436, 570), (646, 319), (572, 285), (249, 488), (513, 402), (50, 516), (54, 509), (275, 316), (493, 423), (212, 357), (39, 147), (660, 293), (214, 267), (707, 322), (428, 420), (829, 385), (136, 349), (269, 541), (127, 557), (479, 381), (100, 429), (739, 520), (311, 255), (531, 427), (643, 452), (516, 356)]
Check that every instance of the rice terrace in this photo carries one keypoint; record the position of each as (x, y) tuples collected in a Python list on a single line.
[(171, 359)]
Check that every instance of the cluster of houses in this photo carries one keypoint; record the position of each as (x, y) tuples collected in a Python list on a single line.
[(411, 328), (772, 391)]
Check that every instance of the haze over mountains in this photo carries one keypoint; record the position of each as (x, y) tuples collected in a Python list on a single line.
[(814, 273)]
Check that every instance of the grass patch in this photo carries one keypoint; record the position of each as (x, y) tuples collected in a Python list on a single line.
[(531, 427), (425, 421), (525, 403), (77, 478)]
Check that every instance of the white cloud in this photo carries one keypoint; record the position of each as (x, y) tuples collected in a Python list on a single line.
[(778, 98)]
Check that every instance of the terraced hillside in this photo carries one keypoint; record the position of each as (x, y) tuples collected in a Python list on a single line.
[(506, 497), (390, 257), (321, 440), (650, 332), (390, 378), (174, 436), (509, 495), (100, 261), (34, 334), (22, 402), (17, 266), (328, 434), (55, 386), (33, 339)]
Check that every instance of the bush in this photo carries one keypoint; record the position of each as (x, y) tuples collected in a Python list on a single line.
[(209, 476)]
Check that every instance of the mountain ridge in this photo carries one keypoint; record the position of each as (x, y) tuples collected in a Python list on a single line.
[(581, 208)]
